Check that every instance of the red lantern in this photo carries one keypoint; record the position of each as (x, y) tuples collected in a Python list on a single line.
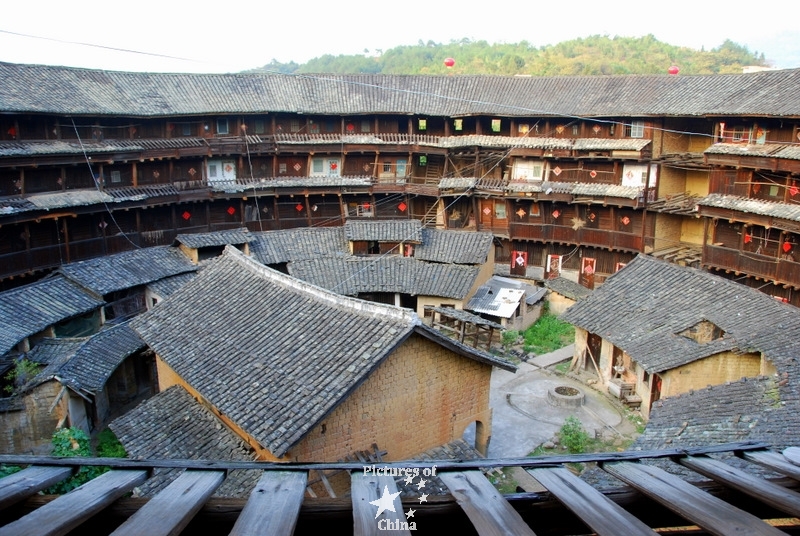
[(449, 62), (673, 70), (786, 247)]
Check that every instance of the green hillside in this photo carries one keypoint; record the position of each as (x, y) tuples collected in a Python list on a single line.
[(586, 56)]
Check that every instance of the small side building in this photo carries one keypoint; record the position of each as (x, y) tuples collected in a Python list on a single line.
[(656, 330)]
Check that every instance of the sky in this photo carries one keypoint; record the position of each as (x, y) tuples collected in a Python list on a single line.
[(178, 36)]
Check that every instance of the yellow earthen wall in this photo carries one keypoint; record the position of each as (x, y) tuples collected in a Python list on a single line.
[(422, 396), (713, 370)]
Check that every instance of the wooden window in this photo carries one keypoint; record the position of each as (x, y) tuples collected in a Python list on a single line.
[(260, 126), (116, 176), (496, 124), (365, 125), (635, 129), (294, 125), (458, 124), (313, 127), (186, 129), (423, 124), (575, 130), (222, 126), (500, 210)]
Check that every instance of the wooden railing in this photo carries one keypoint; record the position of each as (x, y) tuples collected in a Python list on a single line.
[(780, 271), (587, 237)]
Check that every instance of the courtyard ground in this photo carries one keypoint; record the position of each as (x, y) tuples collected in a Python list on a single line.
[(523, 418)]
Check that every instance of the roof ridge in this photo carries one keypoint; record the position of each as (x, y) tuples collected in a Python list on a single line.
[(372, 308)]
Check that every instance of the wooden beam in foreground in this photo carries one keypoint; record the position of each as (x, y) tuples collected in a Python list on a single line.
[(70, 510), (274, 504), (490, 513), (29, 481), (600, 513), (173, 508), (688, 501)]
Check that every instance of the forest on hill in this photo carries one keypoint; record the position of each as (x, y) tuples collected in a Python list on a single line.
[(595, 55)]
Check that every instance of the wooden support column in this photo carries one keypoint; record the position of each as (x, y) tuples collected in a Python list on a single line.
[(135, 174)]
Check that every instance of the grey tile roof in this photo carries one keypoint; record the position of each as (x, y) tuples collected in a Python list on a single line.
[(243, 185), (40, 148), (128, 269), (745, 149), (62, 90), (167, 286), (575, 188), (272, 353), (85, 363), (29, 309), (458, 247), (172, 424), (755, 206), (84, 197), (276, 247), (760, 409), (216, 238), (69, 198), (354, 275), (384, 230), (643, 308), (567, 288)]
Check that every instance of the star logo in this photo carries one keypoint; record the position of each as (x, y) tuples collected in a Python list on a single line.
[(421, 483), (410, 513), (386, 501), (408, 480), (422, 498)]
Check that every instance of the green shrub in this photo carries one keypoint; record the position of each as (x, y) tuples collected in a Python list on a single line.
[(573, 436), (108, 446), (24, 370), (6, 470), (548, 334), (509, 338), (69, 442)]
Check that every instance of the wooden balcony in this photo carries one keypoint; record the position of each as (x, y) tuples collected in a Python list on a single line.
[(776, 270), (583, 236)]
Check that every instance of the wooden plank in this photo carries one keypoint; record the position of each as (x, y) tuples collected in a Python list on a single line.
[(170, 511), (490, 513), (688, 501), (27, 482), (68, 511), (792, 454), (372, 519), (770, 493), (273, 505), (774, 461), (600, 513)]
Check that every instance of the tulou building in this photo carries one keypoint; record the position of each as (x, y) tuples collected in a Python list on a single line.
[(569, 174)]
